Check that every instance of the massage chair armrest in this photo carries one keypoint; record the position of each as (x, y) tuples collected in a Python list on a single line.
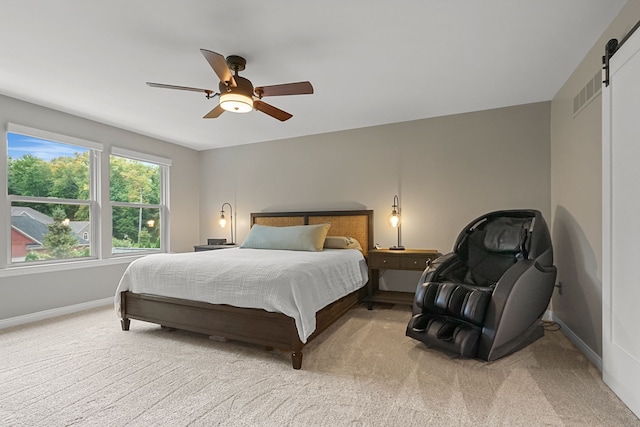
[(440, 266), (519, 300), (526, 274), (436, 269)]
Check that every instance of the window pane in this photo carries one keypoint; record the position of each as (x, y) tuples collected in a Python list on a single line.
[(45, 231), (42, 168), (133, 181), (135, 229)]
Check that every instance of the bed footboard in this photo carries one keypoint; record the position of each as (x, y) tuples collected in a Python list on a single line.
[(271, 330)]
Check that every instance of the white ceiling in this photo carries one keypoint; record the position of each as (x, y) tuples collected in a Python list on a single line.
[(371, 62)]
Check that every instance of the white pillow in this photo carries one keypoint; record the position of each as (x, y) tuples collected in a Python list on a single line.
[(293, 238)]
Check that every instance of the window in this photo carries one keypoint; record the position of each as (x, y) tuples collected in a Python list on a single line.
[(138, 195), (51, 192)]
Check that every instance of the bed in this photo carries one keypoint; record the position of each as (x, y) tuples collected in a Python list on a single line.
[(271, 329)]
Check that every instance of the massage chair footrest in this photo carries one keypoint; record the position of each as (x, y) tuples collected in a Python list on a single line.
[(453, 336)]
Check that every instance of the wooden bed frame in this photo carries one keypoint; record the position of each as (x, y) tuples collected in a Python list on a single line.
[(257, 326)]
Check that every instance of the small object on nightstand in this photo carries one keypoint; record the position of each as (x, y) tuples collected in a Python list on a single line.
[(200, 248), (216, 241), (390, 259)]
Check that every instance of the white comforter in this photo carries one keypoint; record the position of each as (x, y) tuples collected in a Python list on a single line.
[(294, 283)]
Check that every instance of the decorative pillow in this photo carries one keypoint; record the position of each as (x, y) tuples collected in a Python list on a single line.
[(293, 238), (341, 242)]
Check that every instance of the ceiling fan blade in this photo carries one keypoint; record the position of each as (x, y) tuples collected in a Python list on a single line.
[(300, 88), (271, 110), (214, 113), (192, 89), (219, 65)]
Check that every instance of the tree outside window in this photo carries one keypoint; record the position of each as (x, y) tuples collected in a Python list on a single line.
[(48, 184), (137, 204)]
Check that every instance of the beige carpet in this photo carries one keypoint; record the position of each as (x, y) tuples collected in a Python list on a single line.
[(83, 370)]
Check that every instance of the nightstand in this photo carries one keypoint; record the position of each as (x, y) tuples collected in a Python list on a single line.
[(200, 248), (387, 259)]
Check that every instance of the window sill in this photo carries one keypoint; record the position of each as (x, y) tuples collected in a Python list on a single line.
[(66, 266)]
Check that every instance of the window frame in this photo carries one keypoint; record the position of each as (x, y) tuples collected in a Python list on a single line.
[(163, 207), (95, 153)]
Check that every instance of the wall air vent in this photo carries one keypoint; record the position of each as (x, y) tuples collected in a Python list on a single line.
[(587, 93)]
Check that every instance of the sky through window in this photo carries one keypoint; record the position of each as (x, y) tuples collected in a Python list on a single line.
[(20, 145)]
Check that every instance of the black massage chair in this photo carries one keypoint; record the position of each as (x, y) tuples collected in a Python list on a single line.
[(486, 299)]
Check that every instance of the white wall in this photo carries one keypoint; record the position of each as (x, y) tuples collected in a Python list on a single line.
[(576, 193), (446, 171), (31, 292)]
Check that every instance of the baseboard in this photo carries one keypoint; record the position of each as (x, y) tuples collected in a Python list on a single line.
[(575, 339), (47, 314)]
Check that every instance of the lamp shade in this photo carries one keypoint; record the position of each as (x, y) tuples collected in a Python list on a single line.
[(394, 218), (236, 102)]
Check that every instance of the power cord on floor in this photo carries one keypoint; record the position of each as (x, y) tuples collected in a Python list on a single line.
[(550, 325)]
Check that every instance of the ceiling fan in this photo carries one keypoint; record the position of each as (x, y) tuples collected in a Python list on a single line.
[(236, 93)]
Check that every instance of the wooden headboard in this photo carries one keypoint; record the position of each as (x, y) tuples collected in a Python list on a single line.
[(356, 224)]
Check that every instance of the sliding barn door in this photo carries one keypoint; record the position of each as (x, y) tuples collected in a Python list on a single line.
[(621, 225)]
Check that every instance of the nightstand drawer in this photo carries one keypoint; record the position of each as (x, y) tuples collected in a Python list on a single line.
[(415, 262), (381, 261)]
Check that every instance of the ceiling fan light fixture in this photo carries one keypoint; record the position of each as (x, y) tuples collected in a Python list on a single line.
[(237, 93), (236, 102)]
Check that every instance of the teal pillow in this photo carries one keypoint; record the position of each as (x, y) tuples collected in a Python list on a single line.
[(293, 238)]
